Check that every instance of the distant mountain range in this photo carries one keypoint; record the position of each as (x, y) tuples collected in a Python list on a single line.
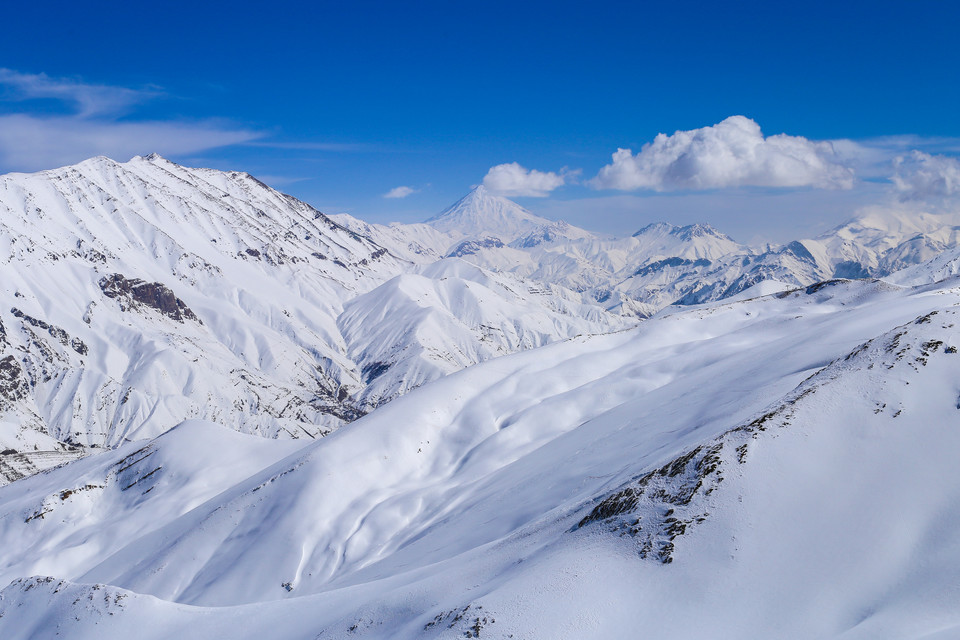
[(661, 264)]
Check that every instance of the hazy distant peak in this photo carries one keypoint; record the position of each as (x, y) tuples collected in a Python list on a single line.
[(480, 213), (686, 232)]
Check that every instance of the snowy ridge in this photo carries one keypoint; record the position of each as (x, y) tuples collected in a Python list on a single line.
[(144, 293), (90, 364), (772, 457), (451, 314), (441, 510)]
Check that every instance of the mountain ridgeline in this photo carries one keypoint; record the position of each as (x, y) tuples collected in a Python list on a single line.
[(144, 293)]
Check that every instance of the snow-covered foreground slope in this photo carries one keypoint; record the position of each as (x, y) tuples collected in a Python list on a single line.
[(780, 466), (136, 295)]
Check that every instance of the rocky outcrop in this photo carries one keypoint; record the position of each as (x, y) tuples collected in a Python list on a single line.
[(133, 293)]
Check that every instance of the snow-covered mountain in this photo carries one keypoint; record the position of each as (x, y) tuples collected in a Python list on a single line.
[(144, 293), (662, 264), (141, 294), (771, 457), (480, 215), (774, 466), (479, 220), (451, 314)]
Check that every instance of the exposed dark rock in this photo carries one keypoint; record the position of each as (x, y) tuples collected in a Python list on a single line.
[(374, 370), (133, 292), (469, 247), (75, 343), (79, 346), (660, 265), (823, 285), (656, 496), (13, 386)]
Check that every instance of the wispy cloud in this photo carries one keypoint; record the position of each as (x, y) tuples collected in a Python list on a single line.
[(96, 121), (28, 143), (732, 153), (87, 99), (311, 146), (908, 142), (512, 180), (400, 192)]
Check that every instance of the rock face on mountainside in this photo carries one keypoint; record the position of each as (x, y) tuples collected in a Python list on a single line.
[(156, 295)]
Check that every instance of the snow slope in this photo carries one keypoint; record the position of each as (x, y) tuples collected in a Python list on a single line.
[(776, 466), (451, 314), (140, 294)]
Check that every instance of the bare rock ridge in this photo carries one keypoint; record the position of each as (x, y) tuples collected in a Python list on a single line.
[(133, 292)]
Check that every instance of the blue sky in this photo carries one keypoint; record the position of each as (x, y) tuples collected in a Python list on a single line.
[(340, 103)]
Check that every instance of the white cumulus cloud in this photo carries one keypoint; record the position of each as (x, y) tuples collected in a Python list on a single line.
[(729, 154), (511, 180), (920, 175), (400, 192)]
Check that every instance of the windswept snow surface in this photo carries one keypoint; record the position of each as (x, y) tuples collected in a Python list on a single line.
[(775, 466)]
